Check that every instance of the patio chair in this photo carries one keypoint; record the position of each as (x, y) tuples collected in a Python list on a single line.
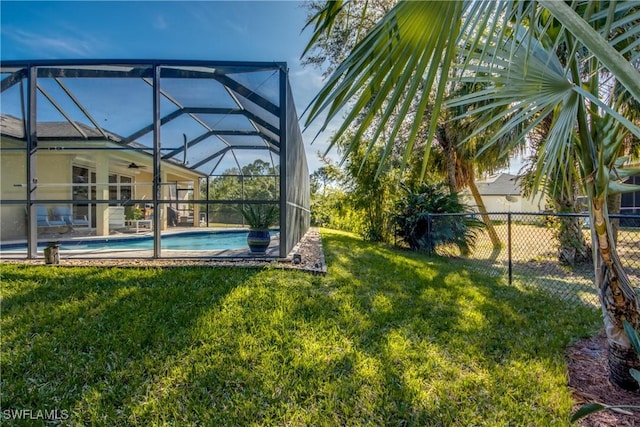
[(116, 217), (63, 213), (44, 220)]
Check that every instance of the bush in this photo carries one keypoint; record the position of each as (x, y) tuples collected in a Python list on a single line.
[(133, 212), (424, 233)]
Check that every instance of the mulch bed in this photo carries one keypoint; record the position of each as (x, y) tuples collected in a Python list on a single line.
[(589, 381)]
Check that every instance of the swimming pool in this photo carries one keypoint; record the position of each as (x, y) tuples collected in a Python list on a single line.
[(188, 241)]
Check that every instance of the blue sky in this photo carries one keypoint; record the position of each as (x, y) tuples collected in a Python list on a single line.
[(207, 30)]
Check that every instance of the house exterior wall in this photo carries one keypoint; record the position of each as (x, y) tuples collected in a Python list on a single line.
[(54, 176), (495, 190), (495, 203), (13, 217), (54, 170), (630, 203)]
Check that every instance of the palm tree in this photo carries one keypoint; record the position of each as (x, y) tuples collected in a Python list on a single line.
[(506, 48), (462, 161), (328, 49), (572, 245)]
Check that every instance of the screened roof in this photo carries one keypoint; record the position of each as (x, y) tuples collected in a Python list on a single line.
[(211, 114)]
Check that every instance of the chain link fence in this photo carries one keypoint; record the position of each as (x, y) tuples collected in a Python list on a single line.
[(527, 251)]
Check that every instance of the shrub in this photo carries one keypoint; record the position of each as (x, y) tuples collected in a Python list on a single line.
[(260, 217), (413, 217), (133, 212)]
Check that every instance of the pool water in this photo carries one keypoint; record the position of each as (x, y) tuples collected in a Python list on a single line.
[(190, 241), (195, 241)]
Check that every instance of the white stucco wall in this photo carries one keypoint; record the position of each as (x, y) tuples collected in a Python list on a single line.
[(54, 174), (500, 204)]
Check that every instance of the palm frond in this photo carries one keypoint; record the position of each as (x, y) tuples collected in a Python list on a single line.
[(597, 45), (508, 50), (258, 216), (395, 61), (323, 22)]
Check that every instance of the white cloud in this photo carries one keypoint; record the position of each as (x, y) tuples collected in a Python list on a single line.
[(54, 46), (309, 73), (207, 14), (306, 82)]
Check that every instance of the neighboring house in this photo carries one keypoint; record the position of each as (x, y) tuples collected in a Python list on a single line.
[(502, 193), (75, 161), (630, 203)]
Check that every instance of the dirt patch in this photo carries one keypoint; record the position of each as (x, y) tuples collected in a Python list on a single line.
[(589, 381)]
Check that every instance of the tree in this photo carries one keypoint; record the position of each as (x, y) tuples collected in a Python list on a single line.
[(418, 46), (372, 192), (255, 181), (328, 49), (328, 199), (461, 161), (572, 246), (325, 176), (630, 108), (458, 167)]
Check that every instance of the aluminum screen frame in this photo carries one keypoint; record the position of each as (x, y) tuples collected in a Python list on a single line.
[(294, 194)]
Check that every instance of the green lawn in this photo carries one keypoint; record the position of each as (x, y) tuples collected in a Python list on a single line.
[(386, 338)]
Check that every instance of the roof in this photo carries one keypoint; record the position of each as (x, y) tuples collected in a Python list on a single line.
[(14, 127), (11, 126), (499, 185)]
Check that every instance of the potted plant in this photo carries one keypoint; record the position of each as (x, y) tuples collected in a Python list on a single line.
[(133, 213), (259, 218)]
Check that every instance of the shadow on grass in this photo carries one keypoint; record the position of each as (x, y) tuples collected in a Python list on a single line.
[(386, 338), (439, 335), (571, 284), (88, 340)]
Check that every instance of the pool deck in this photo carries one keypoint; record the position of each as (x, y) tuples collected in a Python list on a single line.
[(309, 248), (88, 235)]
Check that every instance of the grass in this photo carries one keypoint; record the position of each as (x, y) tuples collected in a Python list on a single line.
[(386, 338)]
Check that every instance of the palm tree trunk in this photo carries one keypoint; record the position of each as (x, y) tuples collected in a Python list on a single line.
[(573, 248), (491, 231), (617, 297), (452, 163), (613, 207)]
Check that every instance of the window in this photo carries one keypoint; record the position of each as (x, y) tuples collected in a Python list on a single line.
[(120, 188), (84, 189)]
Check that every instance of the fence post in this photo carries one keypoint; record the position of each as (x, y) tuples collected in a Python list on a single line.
[(429, 232), (509, 248)]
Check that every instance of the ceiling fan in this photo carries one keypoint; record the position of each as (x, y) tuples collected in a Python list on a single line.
[(130, 165)]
